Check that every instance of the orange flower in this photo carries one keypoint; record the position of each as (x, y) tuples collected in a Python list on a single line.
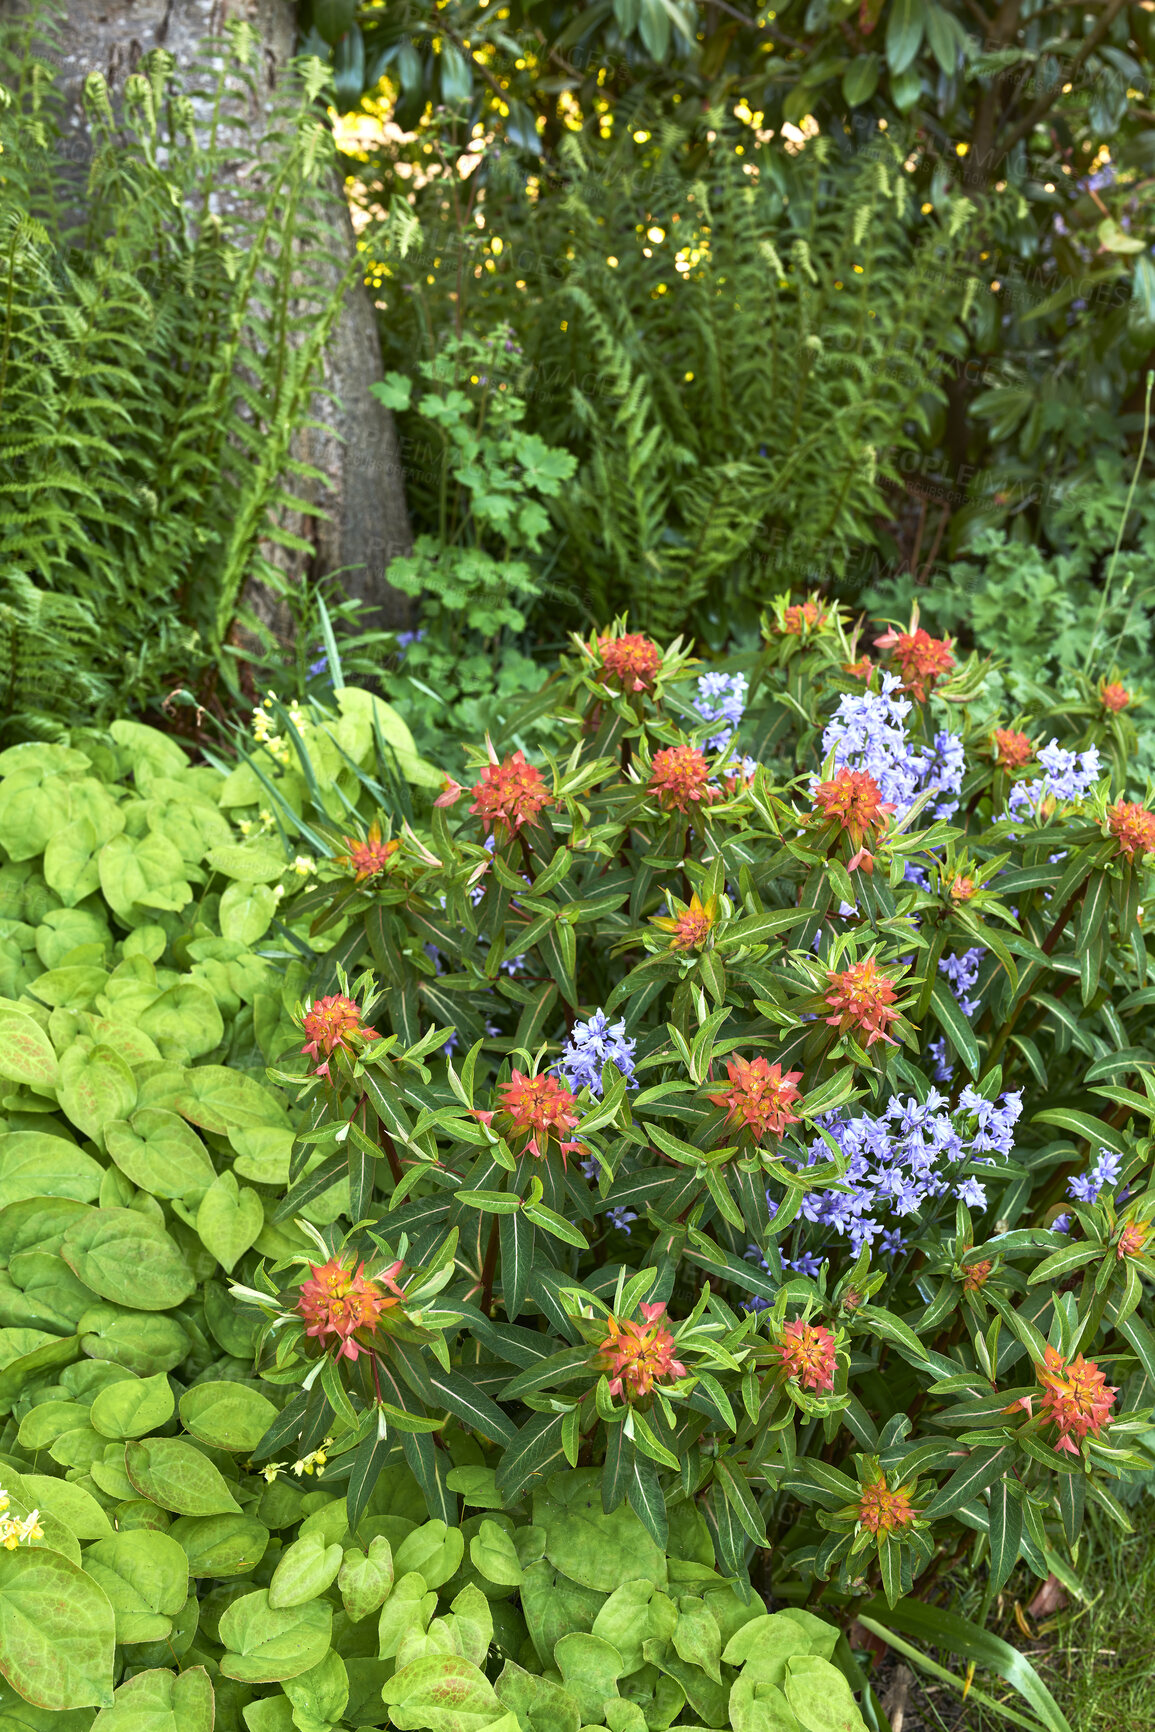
[(331, 1025), (962, 889), (853, 800), (639, 1354), (922, 659), (803, 616), (680, 778), (632, 660), (339, 1302), (1076, 1398), (976, 1275), (692, 927), (759, 1098), (1115, 697), (884, 1511), (859, 670), (369, 857), (1133, 1239), (860, 997), (510, 794), (1012, 750), (807, 1354), (536, 1107), (1134, 826)]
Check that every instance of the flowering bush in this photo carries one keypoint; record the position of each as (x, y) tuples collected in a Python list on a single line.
[(763, 1086)]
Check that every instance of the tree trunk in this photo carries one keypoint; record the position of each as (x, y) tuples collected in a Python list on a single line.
[(363, 491)]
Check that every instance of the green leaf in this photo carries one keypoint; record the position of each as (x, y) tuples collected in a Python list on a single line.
[(34, 1164), (955, 1025), (158, 1153), (1006, 1530), (229, 1220), (441, 1693), (304, 1571), (434, 1550), (221, 1545), (133, 1407), (265, 1645), (175, 1475), (820, 1696), (246, 912), (590, 1668), (161, 1701), (904, 29), (145, 1575), (96, 1086), (57, 1632), (226, 1415), (590, 1547), (127, 1257), (365, 1578), (26, 1053), (981, 1468), (492, 1554)]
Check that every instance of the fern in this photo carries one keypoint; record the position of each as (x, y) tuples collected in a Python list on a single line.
[(156, 365), (746, 417)]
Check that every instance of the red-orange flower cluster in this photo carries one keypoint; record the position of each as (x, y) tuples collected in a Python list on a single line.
[(1133, 826), (807, 1354), (977, 1275), (1012, 750), (632, 660), (1076, 1398), (860, 997), (692, 927), (639, 1354), (1133, 1239), (332, 1025), (759, 1098), (859, 670), (883, 1511), (680, 778), (1115, 697), (537, 1107), (922, 659), (854, 801), (510, 794), (369, 857), (803, 616), (338, 1302), (962, 889)]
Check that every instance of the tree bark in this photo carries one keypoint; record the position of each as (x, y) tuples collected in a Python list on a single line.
[(363, 490)]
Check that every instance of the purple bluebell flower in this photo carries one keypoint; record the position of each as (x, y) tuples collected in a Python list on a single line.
[(722, 698), (972, 1194), (963, 972), (868, 732), (620, 1217), (943, 1069), (904, 1158), (1061, 1224), (1085, 1188), (805, 1264), (590, 1045), (317, 667), (406, 638), (1066, 776)]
